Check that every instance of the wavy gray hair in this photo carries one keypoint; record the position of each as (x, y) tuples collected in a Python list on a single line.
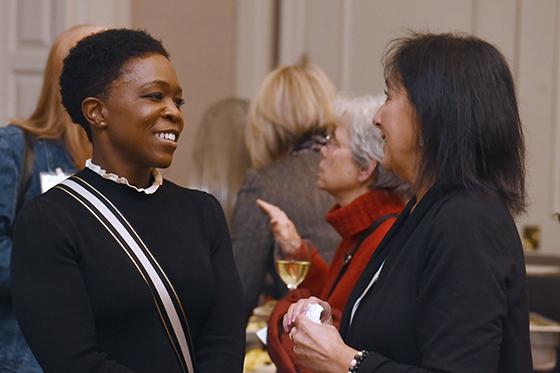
[(366, 143)]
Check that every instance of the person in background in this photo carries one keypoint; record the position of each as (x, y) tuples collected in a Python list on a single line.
[(446, 290), (220, 157), (291, 110), (368, 200), (51, 142), (116, 269)]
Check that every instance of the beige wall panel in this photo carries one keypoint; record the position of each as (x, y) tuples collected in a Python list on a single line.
[(375, 23), (201, 38), (255, 47), (26, 86), (347, 38), (556, 103), (293, 30), (496, 22), (111, 13), (537, 97), (33, 32), (325, 41), (27, 30)]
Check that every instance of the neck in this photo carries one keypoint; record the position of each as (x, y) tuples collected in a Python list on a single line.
[(140, 177), (346, 197)]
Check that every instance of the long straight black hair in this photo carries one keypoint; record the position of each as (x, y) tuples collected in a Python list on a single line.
[(471, 135)]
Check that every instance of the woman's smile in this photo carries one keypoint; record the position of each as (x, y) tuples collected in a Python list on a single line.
[(144, 114), (167, 138)]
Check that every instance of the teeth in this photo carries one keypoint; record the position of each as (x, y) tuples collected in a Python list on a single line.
[(167, 136)]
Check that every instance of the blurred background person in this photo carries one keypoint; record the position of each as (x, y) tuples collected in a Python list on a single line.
[(446, 290), (31, 151), (291, 111), (368, 200), (220, 156)]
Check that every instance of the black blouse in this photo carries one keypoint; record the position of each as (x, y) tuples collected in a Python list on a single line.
[(81, 305), (452, 293)]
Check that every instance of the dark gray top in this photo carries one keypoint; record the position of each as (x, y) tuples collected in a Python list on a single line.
[(288, 183)]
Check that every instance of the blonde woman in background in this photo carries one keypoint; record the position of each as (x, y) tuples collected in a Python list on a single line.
[(220, 157), (56, 144), (291, 111)]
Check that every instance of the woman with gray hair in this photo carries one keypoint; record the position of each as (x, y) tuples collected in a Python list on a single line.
[(368, 201)]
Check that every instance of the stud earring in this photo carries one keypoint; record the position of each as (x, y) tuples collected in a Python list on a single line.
[(102, 124)]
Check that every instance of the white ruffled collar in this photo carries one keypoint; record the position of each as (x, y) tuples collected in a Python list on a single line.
[(158, 179)]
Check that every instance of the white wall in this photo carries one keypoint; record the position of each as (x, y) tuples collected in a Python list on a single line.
[(27, 30), (201, 38)]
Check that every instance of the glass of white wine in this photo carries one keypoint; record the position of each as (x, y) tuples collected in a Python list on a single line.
[(292, 265)]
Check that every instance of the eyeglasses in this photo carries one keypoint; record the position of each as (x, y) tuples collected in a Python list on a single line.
[(328, 141), (331, 142), (320, 140)]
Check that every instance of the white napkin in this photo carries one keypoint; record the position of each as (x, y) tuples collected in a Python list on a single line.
[(313, 312), (261, 334)]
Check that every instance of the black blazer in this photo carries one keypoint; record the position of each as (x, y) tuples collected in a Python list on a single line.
[(452, 293)]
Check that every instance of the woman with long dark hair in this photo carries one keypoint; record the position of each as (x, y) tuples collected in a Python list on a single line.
[(446, 290)]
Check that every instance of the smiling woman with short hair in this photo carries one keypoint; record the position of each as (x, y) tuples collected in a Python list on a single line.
[(117, 269)]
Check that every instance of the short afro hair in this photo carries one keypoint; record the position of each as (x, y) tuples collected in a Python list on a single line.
[(96, 62)]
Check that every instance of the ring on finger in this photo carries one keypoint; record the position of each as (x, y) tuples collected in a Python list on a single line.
[(291, 334)]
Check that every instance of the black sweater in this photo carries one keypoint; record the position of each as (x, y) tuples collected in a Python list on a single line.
[(84, 308), (452, 294)]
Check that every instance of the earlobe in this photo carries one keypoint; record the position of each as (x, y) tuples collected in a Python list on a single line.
[(92, 108), (367, 172)]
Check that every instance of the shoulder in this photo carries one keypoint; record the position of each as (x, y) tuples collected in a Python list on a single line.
[(478, 209), (47, 211), (252, 180), (472, 227), (200, 208), (290, 172), (192, 198), (11, 137), (53, 200), (289, 164), (10, 130), (280, 169)]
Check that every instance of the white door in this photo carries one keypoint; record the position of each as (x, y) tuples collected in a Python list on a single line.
[(27, 30)]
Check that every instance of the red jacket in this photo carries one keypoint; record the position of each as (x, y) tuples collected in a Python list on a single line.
[(349, 222)]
